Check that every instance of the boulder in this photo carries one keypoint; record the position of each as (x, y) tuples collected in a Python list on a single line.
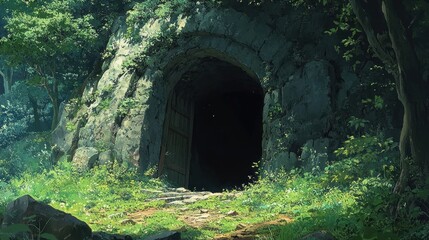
[(167, 235), (105, 158), (61, 136), (282, 161), (43, 218), (106, 236), (85, 158)]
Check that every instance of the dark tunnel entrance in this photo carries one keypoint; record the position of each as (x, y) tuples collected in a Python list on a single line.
[(213, 133)]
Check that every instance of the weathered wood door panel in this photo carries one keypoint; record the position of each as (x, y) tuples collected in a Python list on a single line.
[(177, 137)]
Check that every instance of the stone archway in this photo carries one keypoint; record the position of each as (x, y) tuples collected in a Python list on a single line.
[(213, 128), (124, 121)]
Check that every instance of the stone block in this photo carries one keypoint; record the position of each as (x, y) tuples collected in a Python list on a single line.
[(350, 80), (273, 45), (315, 154), (105, 158), (61, 136), (85, 158), (283, 161)]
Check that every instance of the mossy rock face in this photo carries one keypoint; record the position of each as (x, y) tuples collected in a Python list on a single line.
[(292, 67)]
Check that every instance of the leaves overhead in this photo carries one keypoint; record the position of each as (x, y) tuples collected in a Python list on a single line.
[(46, 34)]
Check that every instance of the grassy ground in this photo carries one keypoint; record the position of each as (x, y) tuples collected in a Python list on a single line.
[(107, 198), (345, 199)]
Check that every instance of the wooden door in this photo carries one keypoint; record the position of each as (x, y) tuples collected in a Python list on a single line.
[(177, 137)]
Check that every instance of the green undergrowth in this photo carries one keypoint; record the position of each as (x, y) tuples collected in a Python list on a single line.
[(29, 154), (345, 199), (99, 196)]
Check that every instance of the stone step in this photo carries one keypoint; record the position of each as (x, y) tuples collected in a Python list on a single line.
[(171, 199), (151, 191), (181, 189), (175, 194)]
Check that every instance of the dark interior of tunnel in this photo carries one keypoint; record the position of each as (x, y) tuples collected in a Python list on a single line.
[(227, 132)]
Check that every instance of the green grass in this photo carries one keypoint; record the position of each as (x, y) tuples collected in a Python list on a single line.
[(105, 195), (345, 199)]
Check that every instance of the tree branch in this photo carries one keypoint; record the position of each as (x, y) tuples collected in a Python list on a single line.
[(376, 40), (405, 53), (11, 77)]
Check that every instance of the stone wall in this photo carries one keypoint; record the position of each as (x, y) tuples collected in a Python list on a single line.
[(123, 113)]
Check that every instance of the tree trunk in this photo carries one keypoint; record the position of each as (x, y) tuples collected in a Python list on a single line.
[(35, 106), (7, 76), (55, 104), (412, 91), (52, 90), (2, 90), (55, 117)]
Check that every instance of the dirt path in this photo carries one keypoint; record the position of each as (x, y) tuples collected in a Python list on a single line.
[(177, 201), (200, 219), (250, 232)]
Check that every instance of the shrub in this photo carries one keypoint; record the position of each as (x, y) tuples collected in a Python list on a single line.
[(29, 154), (16, 112), (13, 123), (364, 156)]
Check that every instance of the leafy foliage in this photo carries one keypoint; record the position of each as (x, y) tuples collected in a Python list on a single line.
[(14, 122), (22, 231), (47, 36), (57, 40), (29, 154), (158, 9), (363, 157), (10, 232), (17, 114)]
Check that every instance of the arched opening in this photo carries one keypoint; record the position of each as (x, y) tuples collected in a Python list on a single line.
[(213, 128)]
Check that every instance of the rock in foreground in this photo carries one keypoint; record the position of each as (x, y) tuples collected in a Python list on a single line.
[(43, 218), (107, 236), (167, 235)]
